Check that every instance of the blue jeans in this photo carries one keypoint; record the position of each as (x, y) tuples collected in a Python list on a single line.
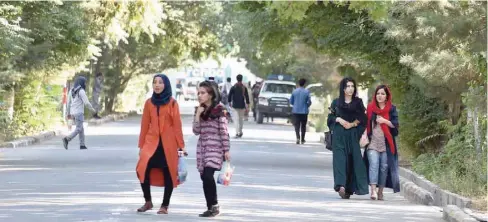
[(378, 167)]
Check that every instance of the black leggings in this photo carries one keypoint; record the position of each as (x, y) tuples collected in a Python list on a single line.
[(168, 186), (209, 186)]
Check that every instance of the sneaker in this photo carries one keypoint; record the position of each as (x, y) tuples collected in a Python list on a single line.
[(212, 212), (65, 143), (83, 148)]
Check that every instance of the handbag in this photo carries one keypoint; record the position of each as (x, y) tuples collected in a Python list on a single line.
[(328, 140), (364, 141), (328, 135)]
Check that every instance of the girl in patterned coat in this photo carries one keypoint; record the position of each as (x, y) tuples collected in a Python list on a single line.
[(210, 124)]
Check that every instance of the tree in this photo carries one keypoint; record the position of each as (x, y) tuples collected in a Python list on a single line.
[(182, 35), (442, 42)]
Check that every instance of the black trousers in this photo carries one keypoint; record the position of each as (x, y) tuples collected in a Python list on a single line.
[(300, 123), (168, 186), (209, 186)]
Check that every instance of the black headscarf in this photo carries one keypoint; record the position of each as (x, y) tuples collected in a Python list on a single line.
[(80, 82), (164, 97)]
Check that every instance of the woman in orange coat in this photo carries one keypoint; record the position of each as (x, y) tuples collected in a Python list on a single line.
[(160, 138)]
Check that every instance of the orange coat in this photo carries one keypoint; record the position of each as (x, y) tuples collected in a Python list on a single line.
[(169, 126)]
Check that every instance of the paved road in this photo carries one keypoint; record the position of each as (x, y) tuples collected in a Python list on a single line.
[(274, 180)]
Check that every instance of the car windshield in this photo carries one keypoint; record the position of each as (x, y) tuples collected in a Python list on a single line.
[(316, 90), (192, 84), (279, 88)]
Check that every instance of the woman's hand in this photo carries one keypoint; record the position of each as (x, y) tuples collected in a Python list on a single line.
[(381, 120), (200, 110), (348, 125), (182, 152), (227, 156), (341, 121)]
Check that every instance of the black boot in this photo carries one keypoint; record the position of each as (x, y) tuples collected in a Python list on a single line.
[(211, 212), (83, 148)]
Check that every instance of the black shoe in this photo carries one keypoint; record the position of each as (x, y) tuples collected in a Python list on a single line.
[(303, 141), (298, 141), (83, 148), (65, 143), (96, 116), (212, 212)]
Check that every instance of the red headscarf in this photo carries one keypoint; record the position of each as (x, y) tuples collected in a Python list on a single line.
[(385, 113)]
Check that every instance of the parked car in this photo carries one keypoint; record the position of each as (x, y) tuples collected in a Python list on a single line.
[(274, 99)]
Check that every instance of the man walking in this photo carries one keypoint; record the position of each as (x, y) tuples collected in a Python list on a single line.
[(97, 89), (300, 100), (239, 100), (225, 96), (255, 98)]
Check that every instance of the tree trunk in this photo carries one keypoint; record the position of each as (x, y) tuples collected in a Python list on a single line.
[(477, 136), (10, 100), (456, 109), (110, 100)]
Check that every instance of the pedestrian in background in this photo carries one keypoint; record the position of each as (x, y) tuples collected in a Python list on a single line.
[(160, 139), (77, 100), (239, 100), (300, 100), (97, 90), (210, 124)]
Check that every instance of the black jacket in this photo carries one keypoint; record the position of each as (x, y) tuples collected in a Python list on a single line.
[(238, 96)]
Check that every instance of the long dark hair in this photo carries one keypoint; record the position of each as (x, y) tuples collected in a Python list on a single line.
[(387, 91), (343, 85), (211, 89)]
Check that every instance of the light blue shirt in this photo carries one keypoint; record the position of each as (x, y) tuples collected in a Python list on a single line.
[(300, 99)]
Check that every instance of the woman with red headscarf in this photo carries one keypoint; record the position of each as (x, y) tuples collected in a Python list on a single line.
[(381, 156)]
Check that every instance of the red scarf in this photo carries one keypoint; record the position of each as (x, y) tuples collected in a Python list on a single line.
[(385, 113)]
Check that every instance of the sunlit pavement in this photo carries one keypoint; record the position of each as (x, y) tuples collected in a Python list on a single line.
[(275, 180)]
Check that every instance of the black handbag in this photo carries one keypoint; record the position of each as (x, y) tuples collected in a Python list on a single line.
[(328, 135), (328, 140)]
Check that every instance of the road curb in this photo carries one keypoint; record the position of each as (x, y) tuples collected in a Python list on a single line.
[(110, 118), (441, 197), (30, 140), (417, 189), (415, 193), (453, 213)]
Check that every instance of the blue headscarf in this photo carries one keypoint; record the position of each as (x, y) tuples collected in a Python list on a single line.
[(164, 97), (80, 82)]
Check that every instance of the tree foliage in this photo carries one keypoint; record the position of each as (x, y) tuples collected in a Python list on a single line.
[(44, 43)]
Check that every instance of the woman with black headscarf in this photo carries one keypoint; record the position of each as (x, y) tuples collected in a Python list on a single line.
[(159, 141), (76, 109), (347, 121)]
